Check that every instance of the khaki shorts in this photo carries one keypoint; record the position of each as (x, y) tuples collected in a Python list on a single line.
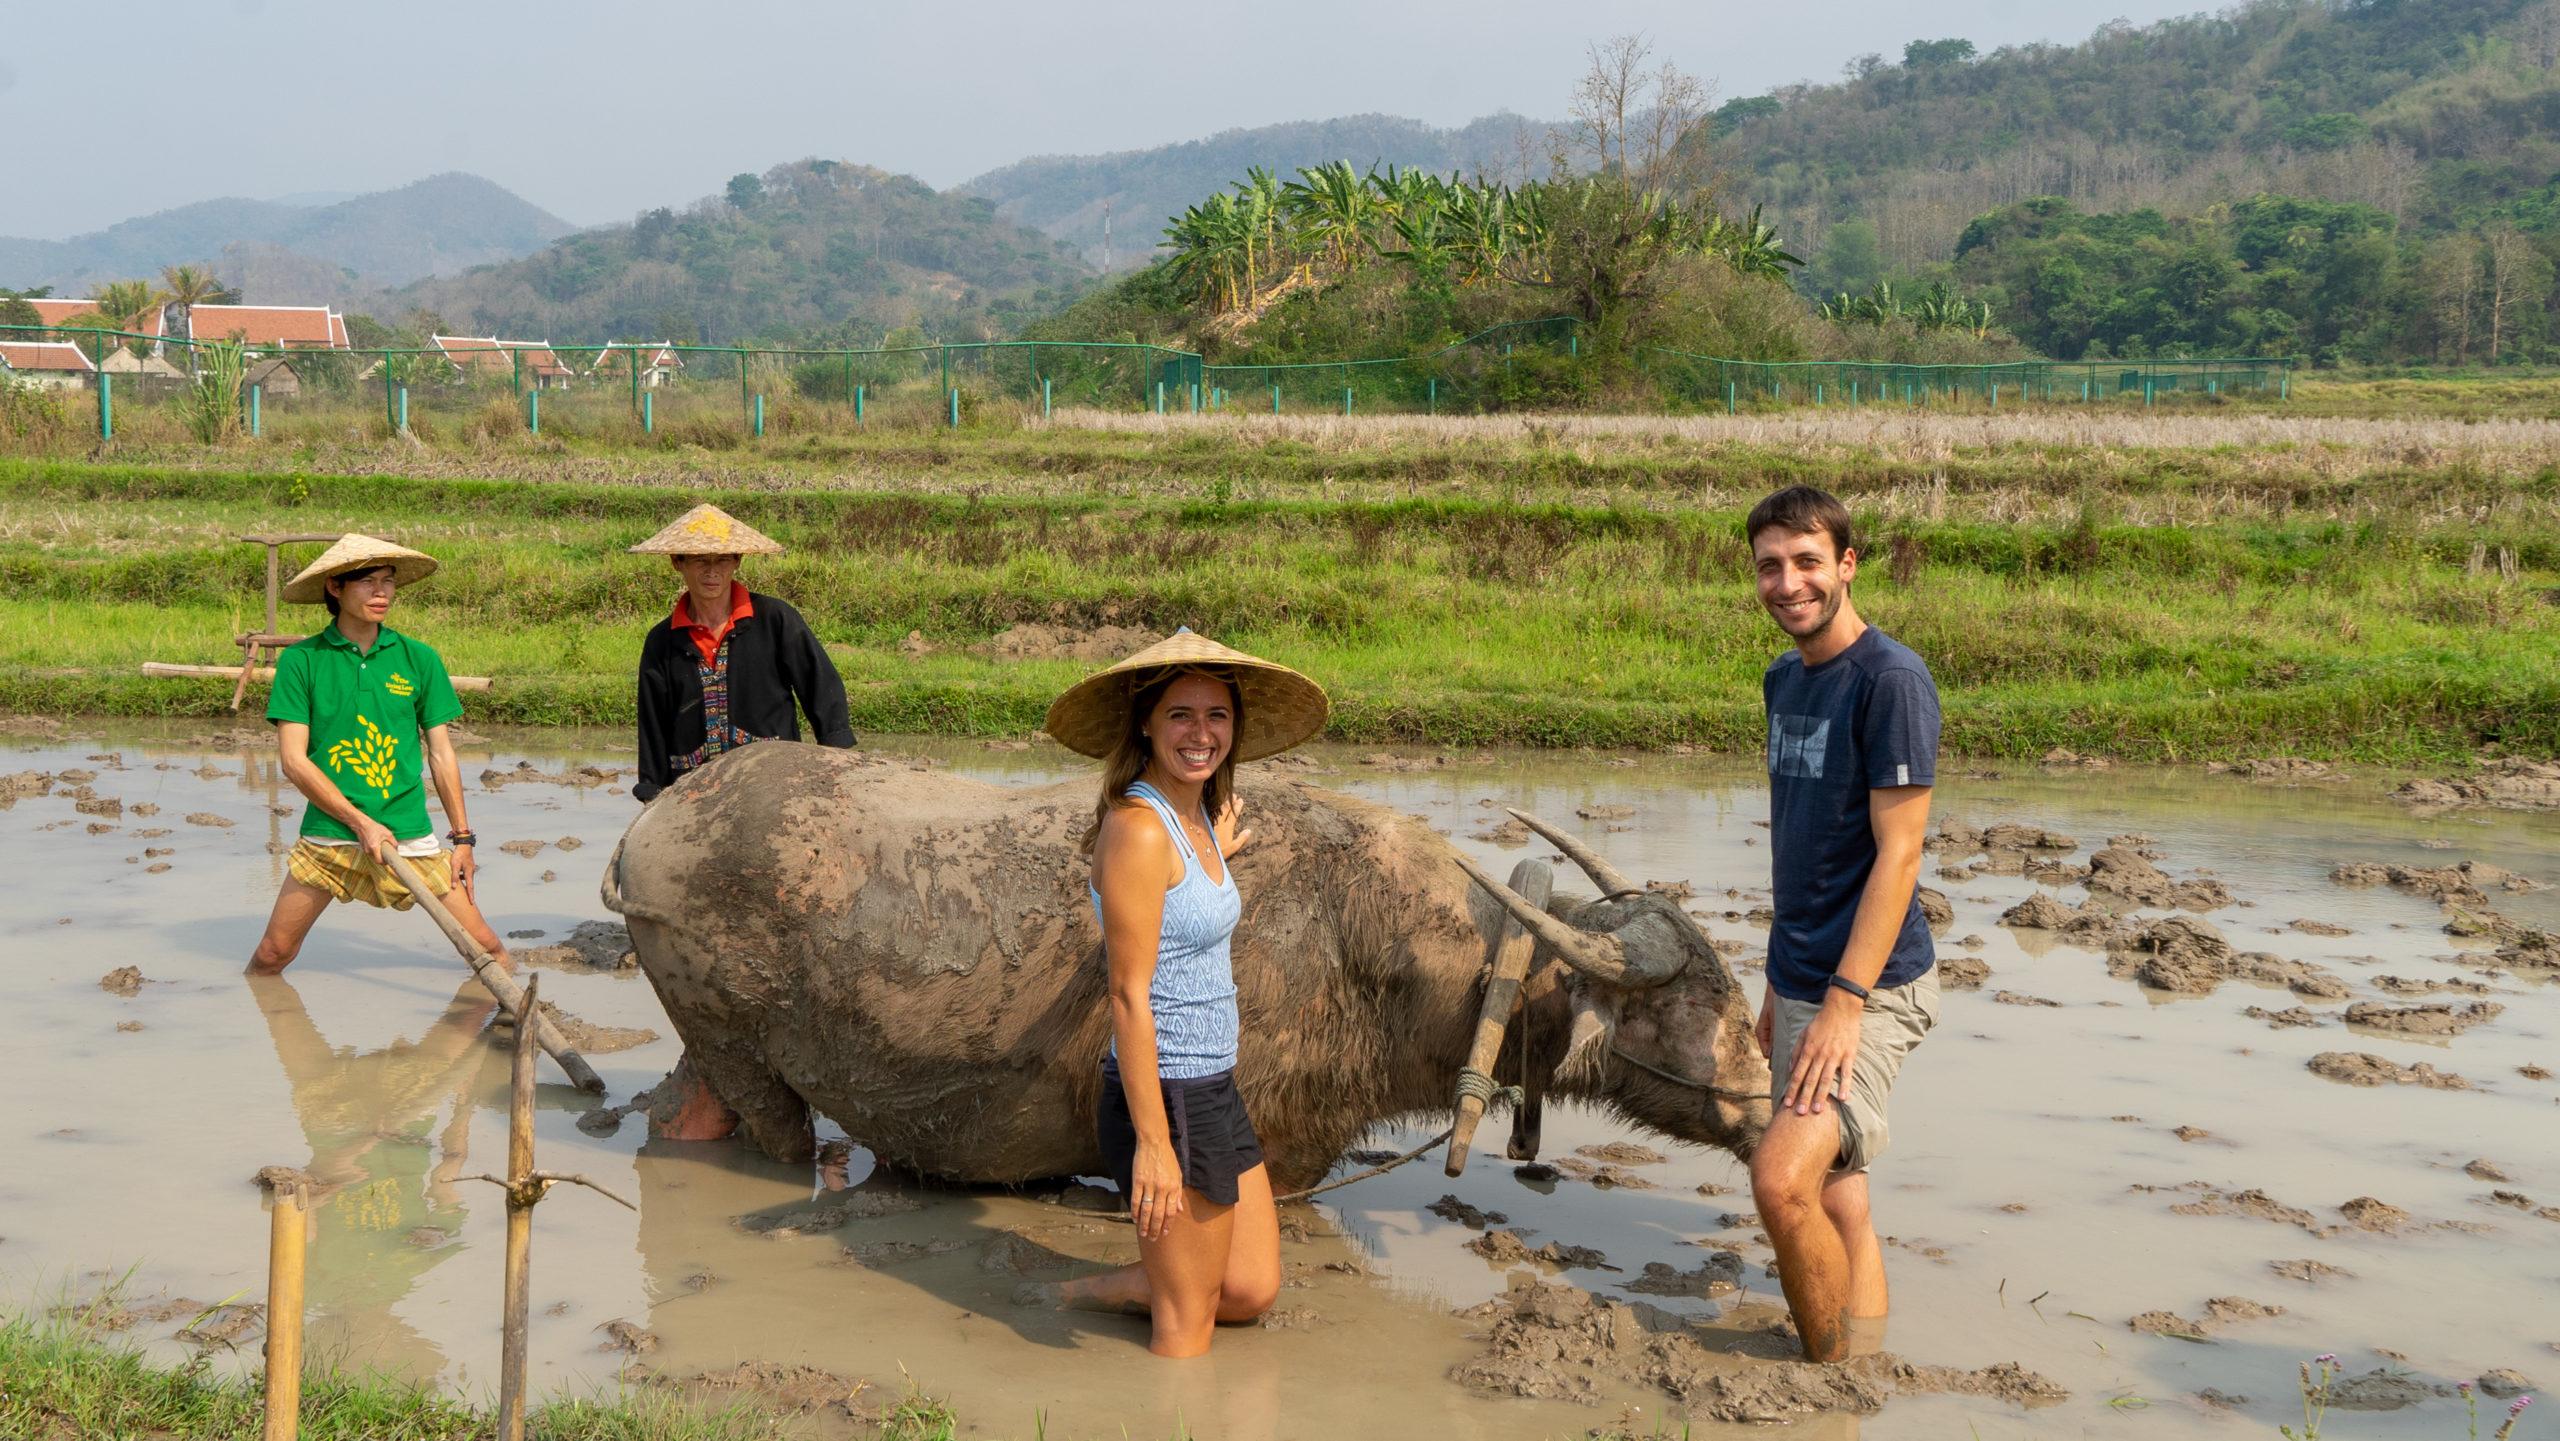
[(1895, 1020), (347, 873)]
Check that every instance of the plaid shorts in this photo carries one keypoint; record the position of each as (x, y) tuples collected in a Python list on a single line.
[(347, 873)]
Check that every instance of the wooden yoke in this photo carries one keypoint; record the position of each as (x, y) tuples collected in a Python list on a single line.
[(1508, 950)]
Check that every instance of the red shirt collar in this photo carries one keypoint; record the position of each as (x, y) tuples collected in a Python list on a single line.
[(741, 606)]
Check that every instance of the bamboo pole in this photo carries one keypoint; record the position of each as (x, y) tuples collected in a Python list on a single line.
[(1511, 948), (500, 984), (284, 1310), (525, 1187), (519, 1299)]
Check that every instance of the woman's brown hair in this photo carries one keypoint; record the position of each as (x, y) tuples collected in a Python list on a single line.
[(1128, 759)]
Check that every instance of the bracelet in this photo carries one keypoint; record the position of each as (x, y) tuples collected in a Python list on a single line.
[(462, 838), (1852, 987)]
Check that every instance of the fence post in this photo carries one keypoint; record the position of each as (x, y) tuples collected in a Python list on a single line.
[(106, 406), (1732, 402), (1275, 398), (759, 415), (1995, 395), (404, 410), (1346, 400), (1435, 395), (1573, 343), (1817, 395), (2147, 391), (533, 412), (254, 396), (1159, 397), (857, 403), (1195, 397), (1044, 397), (955, 407), (2084, 390), (649, 412), (2284, 384)]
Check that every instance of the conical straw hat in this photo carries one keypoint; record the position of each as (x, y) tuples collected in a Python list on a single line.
[(1281, 707), (709, 530), (355, 552)]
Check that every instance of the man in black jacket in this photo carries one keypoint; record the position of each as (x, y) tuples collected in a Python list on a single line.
[(726, 668)]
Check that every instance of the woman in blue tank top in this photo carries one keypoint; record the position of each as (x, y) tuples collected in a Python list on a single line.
[(1171, 722)]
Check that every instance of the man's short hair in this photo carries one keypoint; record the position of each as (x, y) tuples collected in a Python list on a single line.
[(1802, 510), (329, 598)]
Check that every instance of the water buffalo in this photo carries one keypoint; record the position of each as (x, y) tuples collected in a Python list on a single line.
[(913, 954)]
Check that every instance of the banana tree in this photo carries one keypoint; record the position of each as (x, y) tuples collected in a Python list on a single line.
[(1337, 208)]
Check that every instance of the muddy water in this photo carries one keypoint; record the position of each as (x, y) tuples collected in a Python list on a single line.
[(2025, 1136)]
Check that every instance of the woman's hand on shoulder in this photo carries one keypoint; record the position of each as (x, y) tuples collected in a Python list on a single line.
[(1233, 834)]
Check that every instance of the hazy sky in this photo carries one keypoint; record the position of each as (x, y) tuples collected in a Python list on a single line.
[(596, 110)]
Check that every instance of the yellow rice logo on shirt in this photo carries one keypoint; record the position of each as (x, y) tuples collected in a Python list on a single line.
[(371, 757), (399, 685)]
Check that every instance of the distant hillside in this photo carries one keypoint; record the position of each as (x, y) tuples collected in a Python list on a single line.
[(817, 250), (2440, 113), (1064, 195), (439, 225)]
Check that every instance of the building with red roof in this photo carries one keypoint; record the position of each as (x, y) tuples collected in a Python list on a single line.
[(298, 327), (658, 364), (476, 356), (56, 364)]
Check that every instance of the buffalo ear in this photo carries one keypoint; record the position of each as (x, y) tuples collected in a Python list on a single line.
[(1587, 1042)]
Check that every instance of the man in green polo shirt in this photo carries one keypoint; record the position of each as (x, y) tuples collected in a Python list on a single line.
[(360, 712)]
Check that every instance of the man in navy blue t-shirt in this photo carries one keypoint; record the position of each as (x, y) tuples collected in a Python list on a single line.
[(1853, 985)]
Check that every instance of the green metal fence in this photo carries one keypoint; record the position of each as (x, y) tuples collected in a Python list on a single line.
[(1705, 380), (716, 394)]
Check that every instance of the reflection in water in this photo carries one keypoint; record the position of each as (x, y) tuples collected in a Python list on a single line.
[(386, 1175)]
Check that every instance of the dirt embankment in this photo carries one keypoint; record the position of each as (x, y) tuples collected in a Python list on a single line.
[(1559, 1343), (2508, 783)]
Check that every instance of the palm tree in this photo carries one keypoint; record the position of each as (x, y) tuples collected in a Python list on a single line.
[(1212, 250), (185, 287), (126, 305)]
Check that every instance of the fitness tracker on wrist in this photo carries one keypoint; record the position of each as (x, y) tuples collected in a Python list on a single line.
[(1852, 987)]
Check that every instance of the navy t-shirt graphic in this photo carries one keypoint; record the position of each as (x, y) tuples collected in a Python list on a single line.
[(1864, 720)]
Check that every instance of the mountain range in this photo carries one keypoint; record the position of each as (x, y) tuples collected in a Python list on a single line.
[(305, 254)]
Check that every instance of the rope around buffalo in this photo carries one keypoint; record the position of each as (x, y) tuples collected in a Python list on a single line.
[(1471, 1082)]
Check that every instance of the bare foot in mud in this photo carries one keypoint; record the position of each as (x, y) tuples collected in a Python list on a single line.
[(1068, 1296)]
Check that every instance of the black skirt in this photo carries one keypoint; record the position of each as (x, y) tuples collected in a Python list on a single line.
[(1213, 1139)]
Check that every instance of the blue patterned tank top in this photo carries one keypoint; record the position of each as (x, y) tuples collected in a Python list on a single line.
[(1194, 991)]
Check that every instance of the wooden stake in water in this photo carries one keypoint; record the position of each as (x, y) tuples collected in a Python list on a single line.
[(284, 1309), (525, 1188)]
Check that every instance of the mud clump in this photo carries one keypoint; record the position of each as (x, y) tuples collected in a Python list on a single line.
[(1554, 1342), (2366, 1213), (1624, 1153), (1510, 835), (2122, 871), (2020, 998), (2466, 882), (2252, 1203), (1605, 812), (527, 849), (1719, 1275), (122, 981), (208, 818), (1504, 1247), (107, 806), (2378, 1390), (2277, 770), (1011, 1253), (1962, 973), (2504, 1384), (2187, 957), (623, 1336), (2435, 1020), (1936, 910), (2090, 925), (1450, 1208), (587, 1036), (525, 773), (1602, 1177), (2288, 1017), (2405, 986), (2308, 1272), (881, 1255), (2484, 1169), (591, 945), (1959, 839), (836, 1209), (787, 1387), (2320, 928), (2510, 783), (2363, 1068)]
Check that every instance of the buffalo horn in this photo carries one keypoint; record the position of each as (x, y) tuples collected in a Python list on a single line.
[(1602, 874), (1602, 958), (1507, 956)]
